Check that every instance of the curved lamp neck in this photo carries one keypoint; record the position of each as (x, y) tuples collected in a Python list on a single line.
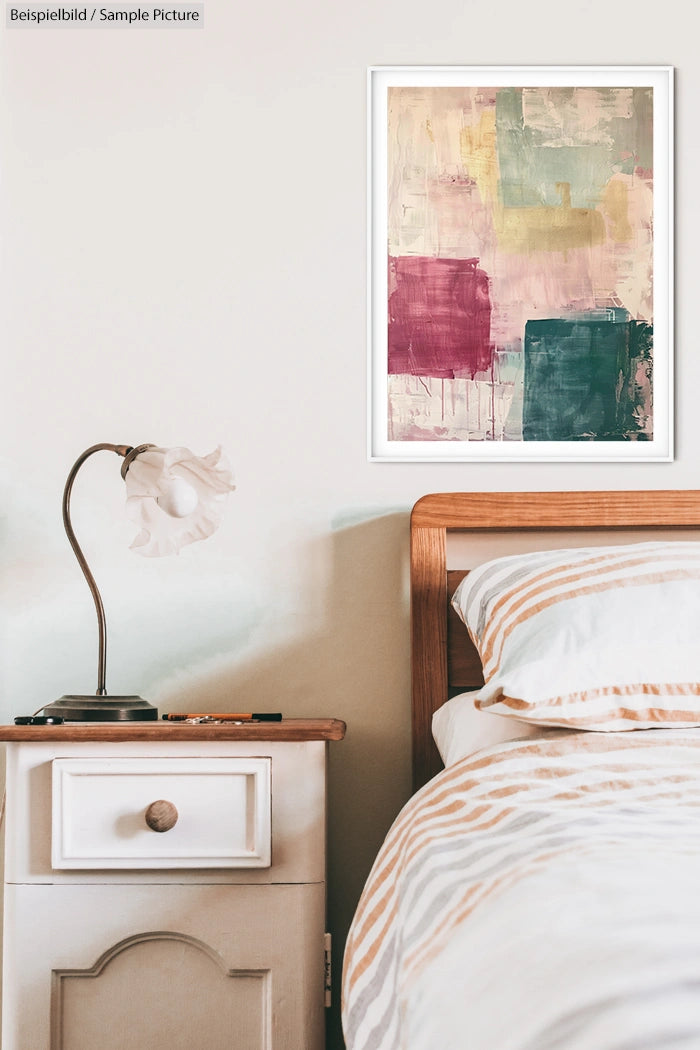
[(124, 451)]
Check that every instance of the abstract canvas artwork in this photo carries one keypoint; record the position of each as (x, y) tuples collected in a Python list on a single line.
[(520, 262)]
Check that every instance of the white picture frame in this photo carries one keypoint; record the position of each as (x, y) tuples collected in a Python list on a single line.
[(453, 149)]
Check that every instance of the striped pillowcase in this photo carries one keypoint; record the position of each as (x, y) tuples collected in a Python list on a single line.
[(601, 638)]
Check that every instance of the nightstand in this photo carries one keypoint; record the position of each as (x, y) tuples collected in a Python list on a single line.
[(165, 886)]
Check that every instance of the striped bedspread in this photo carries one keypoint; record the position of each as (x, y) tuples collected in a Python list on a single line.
[(541, 895)]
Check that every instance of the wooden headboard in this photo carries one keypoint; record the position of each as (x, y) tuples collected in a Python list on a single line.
[(443, 659)]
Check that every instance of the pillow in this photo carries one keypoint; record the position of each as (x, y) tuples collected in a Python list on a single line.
[(460, 729), (601, 638)]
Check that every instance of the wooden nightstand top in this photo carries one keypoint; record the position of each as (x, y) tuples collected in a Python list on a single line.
[(290, 729)]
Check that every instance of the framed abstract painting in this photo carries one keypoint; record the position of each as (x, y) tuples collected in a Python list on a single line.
[(520, 263)]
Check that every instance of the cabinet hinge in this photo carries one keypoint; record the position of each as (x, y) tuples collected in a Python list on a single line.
[(327, 968)]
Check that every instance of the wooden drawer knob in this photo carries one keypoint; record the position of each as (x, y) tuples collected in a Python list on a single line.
[(161, 815)]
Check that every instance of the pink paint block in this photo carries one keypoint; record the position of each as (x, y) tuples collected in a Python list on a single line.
[(439, 317)]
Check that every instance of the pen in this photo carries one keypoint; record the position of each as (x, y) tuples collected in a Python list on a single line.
[(266, 716)]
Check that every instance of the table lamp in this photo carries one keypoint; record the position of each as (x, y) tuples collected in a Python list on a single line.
[(176, 498)]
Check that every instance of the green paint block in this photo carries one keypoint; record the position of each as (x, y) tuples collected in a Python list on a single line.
[(588, 379)]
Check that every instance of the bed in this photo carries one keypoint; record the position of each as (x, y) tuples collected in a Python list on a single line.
[(539, 891)]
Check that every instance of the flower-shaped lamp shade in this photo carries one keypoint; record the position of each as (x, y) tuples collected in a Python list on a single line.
[(176, 498)]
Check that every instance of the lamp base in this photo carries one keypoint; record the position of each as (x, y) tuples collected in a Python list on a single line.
[(74, 708)]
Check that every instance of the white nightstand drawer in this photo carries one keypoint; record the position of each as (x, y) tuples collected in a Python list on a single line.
[(218, 809)]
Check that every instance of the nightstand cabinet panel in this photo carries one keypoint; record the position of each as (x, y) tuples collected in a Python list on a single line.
[(164, 968)]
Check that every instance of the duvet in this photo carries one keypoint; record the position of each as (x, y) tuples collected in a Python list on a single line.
[(541, 895)]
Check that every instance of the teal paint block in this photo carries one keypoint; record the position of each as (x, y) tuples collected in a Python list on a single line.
[(587, 379), (559, 148)]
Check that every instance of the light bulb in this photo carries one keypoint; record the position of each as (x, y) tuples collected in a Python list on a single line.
[(178, 499)]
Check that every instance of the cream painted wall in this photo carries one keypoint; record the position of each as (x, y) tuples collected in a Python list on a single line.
[(183, 233)]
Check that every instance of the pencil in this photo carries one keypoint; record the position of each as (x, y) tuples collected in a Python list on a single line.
[(248, 716)]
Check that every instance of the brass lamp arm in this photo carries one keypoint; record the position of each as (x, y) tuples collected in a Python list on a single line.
[(121, 450)]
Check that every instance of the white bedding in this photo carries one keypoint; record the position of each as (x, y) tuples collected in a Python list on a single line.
[(541, 895), (460, 728)]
